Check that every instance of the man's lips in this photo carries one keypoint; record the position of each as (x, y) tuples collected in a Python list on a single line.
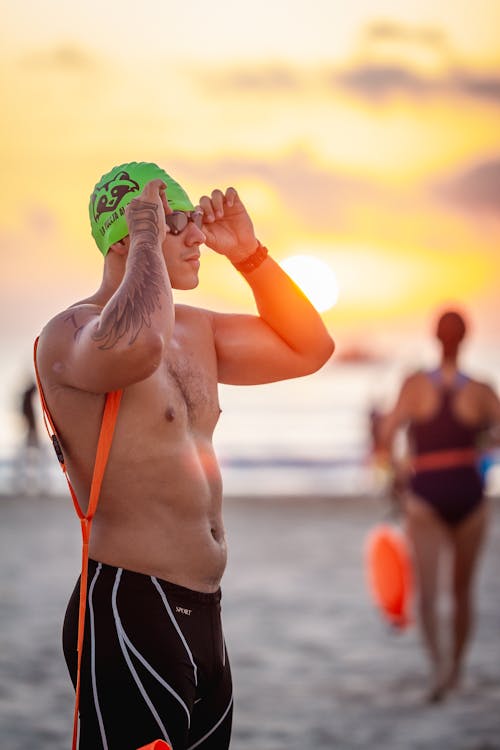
[(193, 259)]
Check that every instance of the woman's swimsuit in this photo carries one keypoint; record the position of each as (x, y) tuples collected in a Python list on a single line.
[(454, 492), (154, 663)]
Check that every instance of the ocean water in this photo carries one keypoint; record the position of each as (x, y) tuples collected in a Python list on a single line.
[(299, 436), (307, 435)]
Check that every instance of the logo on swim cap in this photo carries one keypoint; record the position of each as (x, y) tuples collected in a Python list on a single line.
[(116, 189), (107, 196)]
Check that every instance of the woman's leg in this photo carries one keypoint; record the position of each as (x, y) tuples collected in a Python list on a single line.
[(428, 538), (467, 539)]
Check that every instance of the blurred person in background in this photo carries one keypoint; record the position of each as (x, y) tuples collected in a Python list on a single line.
[(445, 413), (154, 658), (28, 412), (29, 476)]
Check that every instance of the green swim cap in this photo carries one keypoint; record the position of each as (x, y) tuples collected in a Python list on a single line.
[(116, 189)]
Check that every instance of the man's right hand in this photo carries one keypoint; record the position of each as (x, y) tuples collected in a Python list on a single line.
[(150, 206)]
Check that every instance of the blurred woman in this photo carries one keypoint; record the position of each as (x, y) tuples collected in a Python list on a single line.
[(444, 411)]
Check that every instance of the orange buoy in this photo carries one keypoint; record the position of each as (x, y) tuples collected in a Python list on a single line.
[(389, 573), (156, 745)]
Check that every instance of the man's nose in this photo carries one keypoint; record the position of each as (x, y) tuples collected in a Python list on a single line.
[(195, 235)]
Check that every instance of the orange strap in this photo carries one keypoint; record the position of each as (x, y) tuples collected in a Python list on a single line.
[(109, 417)]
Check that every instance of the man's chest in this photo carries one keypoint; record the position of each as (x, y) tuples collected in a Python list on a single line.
[(189, 383), (182, 393), (187, 378)]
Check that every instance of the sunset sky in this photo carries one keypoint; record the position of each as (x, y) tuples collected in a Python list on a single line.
[(365, 133)]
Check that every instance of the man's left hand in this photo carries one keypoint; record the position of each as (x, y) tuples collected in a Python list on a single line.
[(227, 225)]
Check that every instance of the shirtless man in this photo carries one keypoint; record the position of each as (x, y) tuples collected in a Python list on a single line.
[(444, 411), (154, 660)]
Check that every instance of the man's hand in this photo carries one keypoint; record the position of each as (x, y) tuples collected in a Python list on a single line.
[(147, 211), (227, 225)]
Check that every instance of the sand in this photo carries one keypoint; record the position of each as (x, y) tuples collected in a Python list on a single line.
[(314, 664)]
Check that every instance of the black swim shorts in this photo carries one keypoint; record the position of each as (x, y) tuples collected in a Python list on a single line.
[(154, 663)]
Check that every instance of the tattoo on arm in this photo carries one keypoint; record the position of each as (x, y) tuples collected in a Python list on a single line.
[(139, 294), (78, 329)]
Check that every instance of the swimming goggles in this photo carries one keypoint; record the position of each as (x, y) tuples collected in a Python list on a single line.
[(177, 221)]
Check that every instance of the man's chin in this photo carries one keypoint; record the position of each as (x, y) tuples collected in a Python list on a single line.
[(184, 286)]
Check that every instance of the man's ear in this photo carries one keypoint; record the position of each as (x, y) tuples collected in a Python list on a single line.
[(120, 247)]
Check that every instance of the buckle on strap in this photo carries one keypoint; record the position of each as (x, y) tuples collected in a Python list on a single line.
[(57, 448)]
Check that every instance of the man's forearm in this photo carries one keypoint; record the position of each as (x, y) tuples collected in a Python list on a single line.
[(286, 309), (142, 305)]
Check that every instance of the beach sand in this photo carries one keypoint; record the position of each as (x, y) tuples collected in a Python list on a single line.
[(314, 664)]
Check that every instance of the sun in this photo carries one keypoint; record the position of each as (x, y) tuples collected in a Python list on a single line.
[(316, 279)]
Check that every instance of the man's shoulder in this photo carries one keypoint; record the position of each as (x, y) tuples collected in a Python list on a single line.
[(79, 310)]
